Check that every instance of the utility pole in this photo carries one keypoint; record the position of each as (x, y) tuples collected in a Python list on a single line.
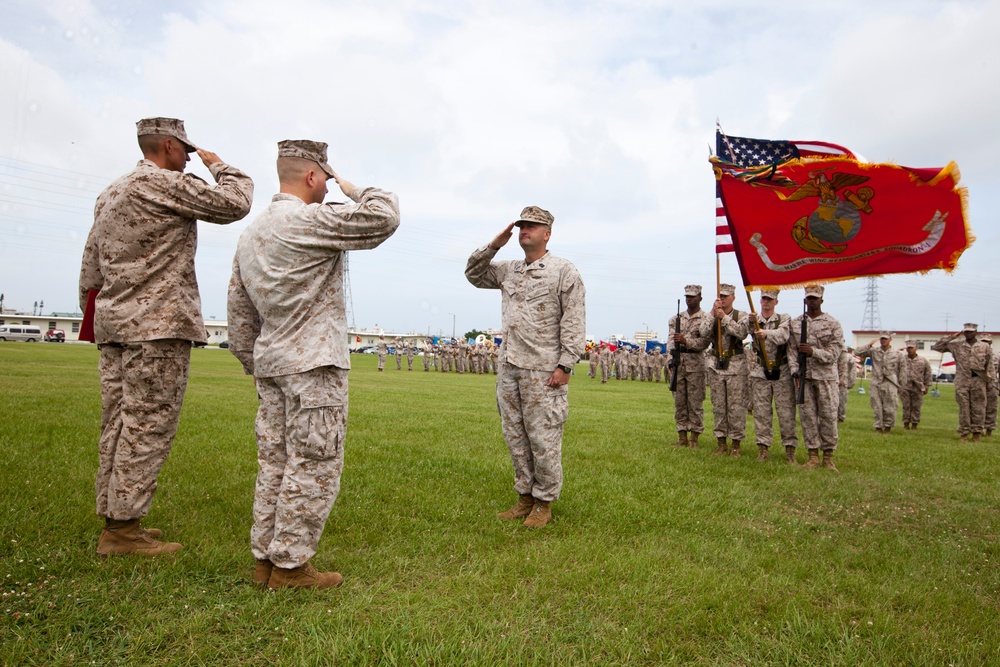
[(452, 324)]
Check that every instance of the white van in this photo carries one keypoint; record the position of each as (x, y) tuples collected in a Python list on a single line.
[(20, 332)]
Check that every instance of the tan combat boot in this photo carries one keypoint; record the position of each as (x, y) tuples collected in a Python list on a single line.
[(262, 573), (886, 430), (763, 455), (963, 437), (520, 510), (828, 460), (813, 461), (989, 431), (540, 515), (693, 440), (682, 439), (120, 538), (304, 576), (906, 426), (721, 449), (152, 532), (913, 426), (976, 437), (790, 455), (735, 451)]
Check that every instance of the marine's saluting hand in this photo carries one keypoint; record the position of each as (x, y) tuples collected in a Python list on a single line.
[(502, 238)]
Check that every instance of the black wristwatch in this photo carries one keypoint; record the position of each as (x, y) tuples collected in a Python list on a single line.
[(565, 369)]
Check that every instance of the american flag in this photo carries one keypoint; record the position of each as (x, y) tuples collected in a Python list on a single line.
[(748, 153)]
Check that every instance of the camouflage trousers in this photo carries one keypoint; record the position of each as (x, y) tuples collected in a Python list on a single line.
[(532, 416), (142, 390), (605, 370), (818, 414), (593, 368), (781, 394), (971, 398), (842, 406), (399, 361), (301, 427), (884, 398), (729, 405), (913, 401), (409, 362), (689, 401), (991, 409), (381, 361), (427, 361)]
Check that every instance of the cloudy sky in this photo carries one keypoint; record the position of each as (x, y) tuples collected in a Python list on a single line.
[(601, 112)]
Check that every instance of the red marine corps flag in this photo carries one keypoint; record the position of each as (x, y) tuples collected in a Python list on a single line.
[(805, 212)]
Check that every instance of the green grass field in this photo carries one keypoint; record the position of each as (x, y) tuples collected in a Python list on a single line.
[(657, 555)]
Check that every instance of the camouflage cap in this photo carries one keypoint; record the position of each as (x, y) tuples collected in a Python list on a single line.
[(885, 334), (536, 214), (169, 127), (770, 293), (911, 343), (970, 326), (314, 151), (986, 337), (725, 289), (692, 290), (814, 290)]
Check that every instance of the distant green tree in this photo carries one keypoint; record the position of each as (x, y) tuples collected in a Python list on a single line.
[(472, 334)]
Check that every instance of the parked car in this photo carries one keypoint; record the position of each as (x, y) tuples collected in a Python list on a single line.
[(55, 336), (27, 334)]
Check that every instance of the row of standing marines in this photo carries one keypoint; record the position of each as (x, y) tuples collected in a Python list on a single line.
[(803, 362)]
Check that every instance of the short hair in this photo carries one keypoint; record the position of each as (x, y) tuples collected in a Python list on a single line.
[(293, 169), (151, 144)]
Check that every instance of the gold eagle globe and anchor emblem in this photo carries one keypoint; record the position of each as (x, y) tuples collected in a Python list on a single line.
[(837, 218)]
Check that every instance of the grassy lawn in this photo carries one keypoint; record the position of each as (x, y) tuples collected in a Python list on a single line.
[(657, 555)]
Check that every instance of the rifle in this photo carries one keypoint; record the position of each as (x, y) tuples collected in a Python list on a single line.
[(721, 361), (677, 350), (771, 371), (801, 397)]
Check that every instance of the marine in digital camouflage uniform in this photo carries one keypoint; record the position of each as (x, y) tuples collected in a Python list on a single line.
[(973, 370), (822, 349), (288, 328), (728, 371), (397, 346), (428, 353), (883, 394), (544, 322), (914, 381), (687, 354), (411, 349), (778, 391), (604, 362), (383, 352), (847, 371), (139, 259), (990, 423)]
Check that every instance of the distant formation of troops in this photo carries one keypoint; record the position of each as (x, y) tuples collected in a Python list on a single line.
[(443, 356)]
